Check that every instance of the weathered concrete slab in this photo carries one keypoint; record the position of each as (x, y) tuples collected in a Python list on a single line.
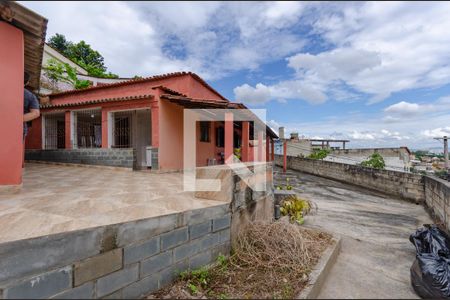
[(375, 254), (321, 270)]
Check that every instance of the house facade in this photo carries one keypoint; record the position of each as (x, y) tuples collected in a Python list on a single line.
[(139, 124)]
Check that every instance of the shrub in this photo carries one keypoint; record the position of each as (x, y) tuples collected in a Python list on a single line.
[(375, 161), (319, 153), (296, 208)]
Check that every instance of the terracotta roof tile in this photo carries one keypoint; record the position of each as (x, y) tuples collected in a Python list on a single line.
[(96, 101), (147, 79), (167, 90)]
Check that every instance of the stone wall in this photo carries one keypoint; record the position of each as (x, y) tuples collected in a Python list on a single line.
[(437, 198), (405, 185), (91, 156), (124, 260)]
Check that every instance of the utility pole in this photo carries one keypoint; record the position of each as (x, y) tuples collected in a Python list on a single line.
[(445, 139)]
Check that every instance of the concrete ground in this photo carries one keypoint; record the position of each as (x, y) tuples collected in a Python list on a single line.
[(376, 254), (57, 198)]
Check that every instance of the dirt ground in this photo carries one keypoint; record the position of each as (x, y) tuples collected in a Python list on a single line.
[(270, 261)]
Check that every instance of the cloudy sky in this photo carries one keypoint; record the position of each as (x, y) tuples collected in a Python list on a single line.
[(376, 73)]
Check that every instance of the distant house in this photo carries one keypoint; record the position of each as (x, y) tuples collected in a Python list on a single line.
[(48, 87), (144, 116)]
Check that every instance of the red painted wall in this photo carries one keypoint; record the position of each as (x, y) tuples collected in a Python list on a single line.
[(205, 150), (11, 104), (170, 136), (185, 84), (34, 137), (199, 91)]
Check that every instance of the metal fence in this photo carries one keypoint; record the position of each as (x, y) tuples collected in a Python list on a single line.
[(123, 129), (54, 131)]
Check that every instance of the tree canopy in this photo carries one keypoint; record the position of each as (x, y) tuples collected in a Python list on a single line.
[(82, 54)]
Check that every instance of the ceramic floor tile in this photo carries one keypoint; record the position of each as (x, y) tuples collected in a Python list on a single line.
[(55, 199)]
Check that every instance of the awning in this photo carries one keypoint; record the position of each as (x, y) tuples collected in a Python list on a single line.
[(34, 28)]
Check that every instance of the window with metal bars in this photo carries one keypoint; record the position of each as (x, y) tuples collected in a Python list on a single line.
[(123, 129), (204, 131), (88, 128), (54, 131)]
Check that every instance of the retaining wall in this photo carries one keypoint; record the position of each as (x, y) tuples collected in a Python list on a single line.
[(124, 260), (131, 259), (433, 192), (437, 198), (401, 184), (125, 157)]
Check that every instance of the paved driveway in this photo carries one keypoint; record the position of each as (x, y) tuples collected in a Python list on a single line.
[(376, 254)]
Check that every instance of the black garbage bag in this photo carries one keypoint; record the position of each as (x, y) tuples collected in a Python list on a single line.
[(430, 272)]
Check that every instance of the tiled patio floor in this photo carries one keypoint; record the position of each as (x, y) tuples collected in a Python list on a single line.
[(57, 198)]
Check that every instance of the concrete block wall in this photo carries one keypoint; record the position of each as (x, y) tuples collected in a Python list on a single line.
[(405, 185), (125, 157), (247, 205), (124, 260), (437, 198)]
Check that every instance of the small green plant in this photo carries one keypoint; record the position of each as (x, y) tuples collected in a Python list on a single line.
[(192, 288), (237, 153), (319, 153), (375, 161), (63, 72), (296, 208), (196, 279), (288, 186), (222, 262)]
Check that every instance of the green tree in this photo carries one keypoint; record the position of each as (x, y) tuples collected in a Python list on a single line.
[(85, 55), (59, 42), (375, 161), (82, 54), (63, 72), (319, 153)]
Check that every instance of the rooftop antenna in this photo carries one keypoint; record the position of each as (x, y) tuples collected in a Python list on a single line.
[(445, 139)]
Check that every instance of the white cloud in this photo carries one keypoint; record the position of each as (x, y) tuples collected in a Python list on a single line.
[(259, 94), (361, 135), (409, 38), (404, 108), (212, 39), (367, 131), (375, 48), (436, 132), (409, 109)]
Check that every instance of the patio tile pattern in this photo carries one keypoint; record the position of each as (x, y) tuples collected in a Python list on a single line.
[(57, 198)]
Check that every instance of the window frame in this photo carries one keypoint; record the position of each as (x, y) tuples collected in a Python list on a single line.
[(205, 136)]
